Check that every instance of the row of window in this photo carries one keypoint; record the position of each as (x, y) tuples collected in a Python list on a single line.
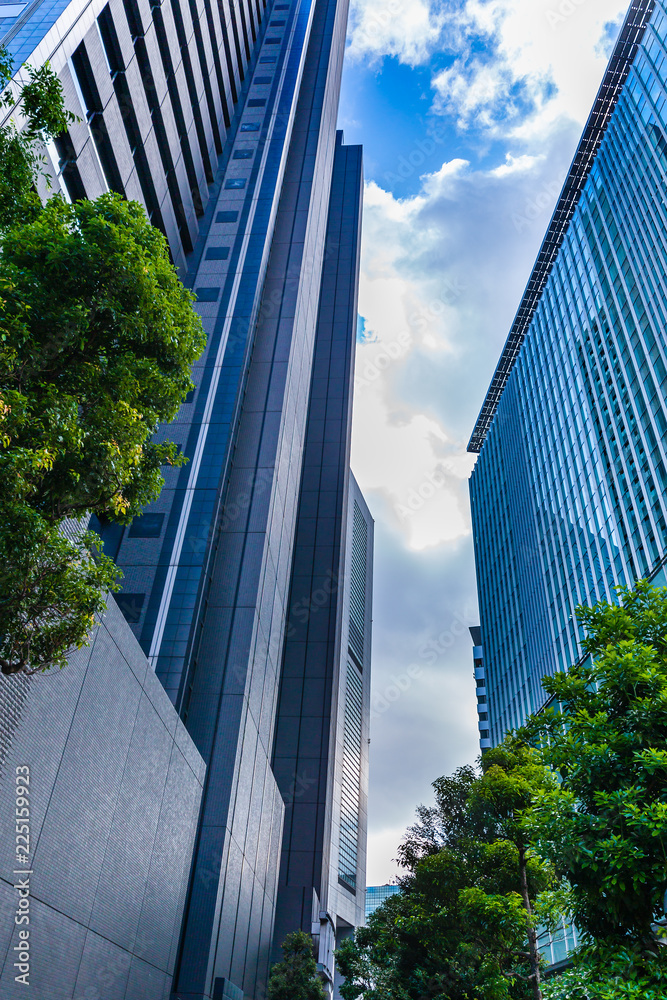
[(84, 80), (579, 504)]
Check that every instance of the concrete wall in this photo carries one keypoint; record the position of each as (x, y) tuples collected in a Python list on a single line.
[(114, 790)]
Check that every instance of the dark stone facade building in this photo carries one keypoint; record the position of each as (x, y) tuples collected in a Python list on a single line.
[(248, 583), (114, 784)]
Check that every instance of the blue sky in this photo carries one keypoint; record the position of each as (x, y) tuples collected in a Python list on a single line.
[(405, 97), (469, 112)]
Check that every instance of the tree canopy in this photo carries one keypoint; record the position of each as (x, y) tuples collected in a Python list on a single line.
[(97, 340), (566, 819), (21, 154), (464, 924), (604, 824), (296, 978)]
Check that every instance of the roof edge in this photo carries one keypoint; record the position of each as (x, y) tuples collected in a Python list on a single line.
[(625, 50)]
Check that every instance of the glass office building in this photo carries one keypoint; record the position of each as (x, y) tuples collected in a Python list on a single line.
[(569, 495), (248, 583), (377, 894)]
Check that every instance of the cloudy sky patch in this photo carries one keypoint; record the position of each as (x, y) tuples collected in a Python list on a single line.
[(469, 113)]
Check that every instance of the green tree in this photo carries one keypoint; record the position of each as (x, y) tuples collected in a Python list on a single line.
[(51, 589), (618, 975), (20, 157), (97, 340), (514, 779), (463, 926), (296, 978), (445, 824), (604, 824)]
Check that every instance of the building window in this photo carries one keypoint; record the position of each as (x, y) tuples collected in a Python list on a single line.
[(84, 81), (207, 294), (67, 167), (131, 606), (147, 526), (114, 58), (377, 894), (217, 253)]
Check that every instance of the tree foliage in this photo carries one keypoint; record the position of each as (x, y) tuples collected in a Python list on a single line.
[(20, 158), (568, 818), (463, 925), (296, 978), (441, 825), (618, 974), (52, 588), (604, 824), (97, 340), (99, 337)]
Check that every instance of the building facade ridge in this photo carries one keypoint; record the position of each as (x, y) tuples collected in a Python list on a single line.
[(630, 37)]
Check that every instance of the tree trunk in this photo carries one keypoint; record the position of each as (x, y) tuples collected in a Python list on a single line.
[(532, 934)]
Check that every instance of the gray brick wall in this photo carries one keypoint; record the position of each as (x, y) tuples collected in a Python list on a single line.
[(115, 788)]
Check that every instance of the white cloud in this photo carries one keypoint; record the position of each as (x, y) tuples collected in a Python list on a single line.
[(441, 182), (517, 65), (406, 454), (516, 164), (382, 850), (407, 29), (442, 273), (533, 62)]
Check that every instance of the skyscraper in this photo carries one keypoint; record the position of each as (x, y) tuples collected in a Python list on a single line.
[(248, 583), (569, 495)]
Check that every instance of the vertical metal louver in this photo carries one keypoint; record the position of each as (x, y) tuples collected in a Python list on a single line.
[(358, 585), (350, 791)]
